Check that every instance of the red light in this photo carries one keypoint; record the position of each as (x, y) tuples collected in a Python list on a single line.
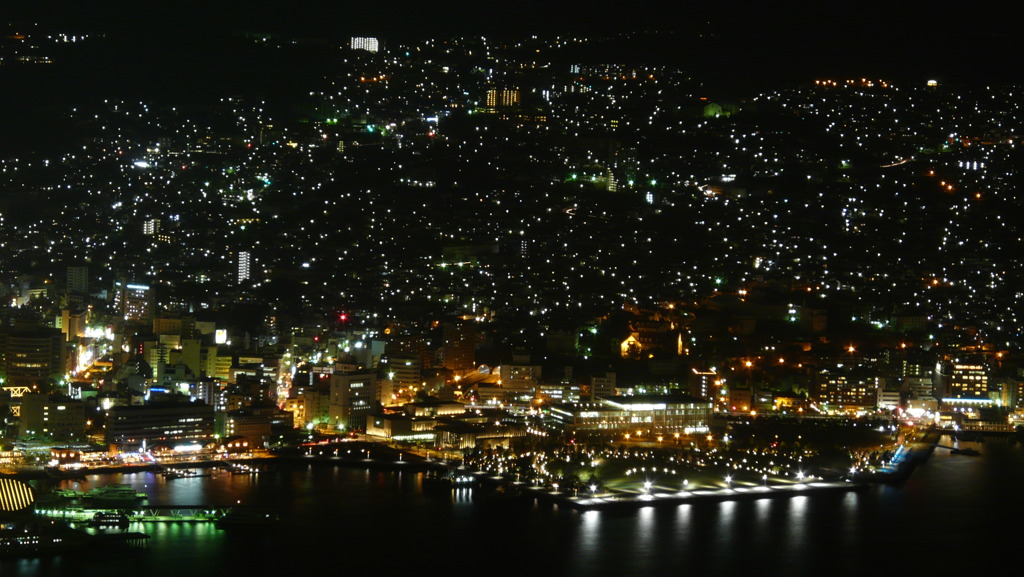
[(343, 317)]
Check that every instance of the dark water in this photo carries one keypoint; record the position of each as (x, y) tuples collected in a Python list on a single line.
[(956, 513)]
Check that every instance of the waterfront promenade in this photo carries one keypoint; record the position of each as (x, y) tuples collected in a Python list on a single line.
[(636, 500), (906, 458)]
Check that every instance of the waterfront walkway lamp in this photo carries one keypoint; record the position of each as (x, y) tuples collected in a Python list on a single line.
[(647, 487), (728, 481)]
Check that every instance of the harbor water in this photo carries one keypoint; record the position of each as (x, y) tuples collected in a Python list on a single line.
[(955, 513)]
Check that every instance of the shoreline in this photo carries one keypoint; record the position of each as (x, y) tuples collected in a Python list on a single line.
[(635, 501)]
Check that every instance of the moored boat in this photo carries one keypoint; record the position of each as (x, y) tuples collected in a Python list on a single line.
[(114, 494)]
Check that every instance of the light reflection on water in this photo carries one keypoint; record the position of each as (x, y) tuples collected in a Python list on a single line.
[(794, 527), (951, 504)]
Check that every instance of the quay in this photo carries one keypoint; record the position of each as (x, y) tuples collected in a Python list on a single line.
[(905, 460), (144, 514), (601, 501)]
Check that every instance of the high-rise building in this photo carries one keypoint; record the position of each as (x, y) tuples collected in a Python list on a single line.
[(404, 370), (50, 417), (367, 43), (502, 98), (33, 355), (704, 384), (78, 279), (72, 324), (847, 391), (244, 265), (519, 382), (353, 397), (602, 385), (968, 379), (458, 351), (133, 301)]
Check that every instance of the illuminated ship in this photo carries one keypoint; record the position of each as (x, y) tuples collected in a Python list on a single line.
[(114, 494)]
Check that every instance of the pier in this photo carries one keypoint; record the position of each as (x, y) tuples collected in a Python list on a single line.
[(600, 501), (144, 514)]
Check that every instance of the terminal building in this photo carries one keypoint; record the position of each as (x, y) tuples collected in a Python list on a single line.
[(666, 414), (170, 424)]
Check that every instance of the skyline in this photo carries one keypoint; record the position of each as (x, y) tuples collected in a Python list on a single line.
[(473, 178)]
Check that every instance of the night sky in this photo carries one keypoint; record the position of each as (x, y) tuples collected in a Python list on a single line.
[(193, 50), (963, 40)]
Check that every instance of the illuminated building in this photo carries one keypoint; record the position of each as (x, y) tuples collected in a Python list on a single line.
[(968, 380), (151, 227), (602, 385), (297, 407), (32, 356), (171, 424), (244, 265), (458, 353), (15, 497), (846, 392), (704, 384), (518, 382), (353, 396), (72, 324), (256, 423), (133, 301), (51, 417), (502, 98), (645, 416), (367, 43), (404, 372)]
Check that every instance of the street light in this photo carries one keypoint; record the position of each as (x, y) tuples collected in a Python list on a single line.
[(647, 486), (728, 481), (765, 479)]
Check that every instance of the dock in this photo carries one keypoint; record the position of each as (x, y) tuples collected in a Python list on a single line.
[(600, 501), (143, 514)]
